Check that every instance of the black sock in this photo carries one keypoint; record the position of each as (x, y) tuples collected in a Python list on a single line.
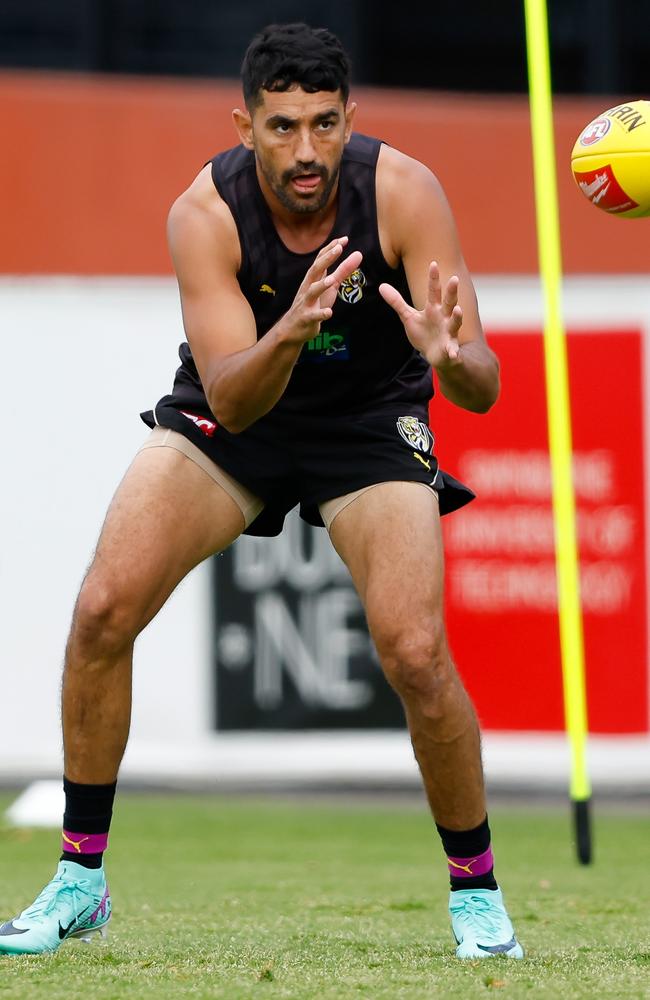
[(86, 822), (469, 857)]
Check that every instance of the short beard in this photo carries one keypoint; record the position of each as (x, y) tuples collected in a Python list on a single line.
[(287, 200)]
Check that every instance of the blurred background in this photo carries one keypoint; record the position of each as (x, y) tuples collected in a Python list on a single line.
[(259, 672), (599, 45)]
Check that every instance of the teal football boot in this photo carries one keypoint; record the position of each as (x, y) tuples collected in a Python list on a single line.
[(481, 925), (75, 904)]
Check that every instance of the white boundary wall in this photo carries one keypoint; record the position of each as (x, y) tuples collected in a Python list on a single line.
[(81, 357)]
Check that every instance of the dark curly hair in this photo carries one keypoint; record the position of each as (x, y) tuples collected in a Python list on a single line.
[(283, 55)]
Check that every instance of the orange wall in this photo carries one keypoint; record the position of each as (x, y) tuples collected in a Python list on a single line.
[(90, 165)]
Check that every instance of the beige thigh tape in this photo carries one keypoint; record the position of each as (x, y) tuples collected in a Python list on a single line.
[(330, 508), (248, 503)]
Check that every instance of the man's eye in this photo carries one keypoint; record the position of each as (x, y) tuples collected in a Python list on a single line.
[(283, 128), (325, 126)]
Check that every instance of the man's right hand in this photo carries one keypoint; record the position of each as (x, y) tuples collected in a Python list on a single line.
[(317, 294)]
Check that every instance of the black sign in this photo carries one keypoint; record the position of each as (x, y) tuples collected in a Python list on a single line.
[(292, 645)]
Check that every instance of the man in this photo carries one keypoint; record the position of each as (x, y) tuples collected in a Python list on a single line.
[(321, 280)]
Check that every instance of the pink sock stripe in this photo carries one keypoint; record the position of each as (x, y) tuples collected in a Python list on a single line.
[(84, 843), (467, 867)]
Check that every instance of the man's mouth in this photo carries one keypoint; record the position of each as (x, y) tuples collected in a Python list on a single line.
[(306, 182)]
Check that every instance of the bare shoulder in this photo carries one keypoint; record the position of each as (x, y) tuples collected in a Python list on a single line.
[(395, 167), (408, 195), (199, 221), (404, 180)]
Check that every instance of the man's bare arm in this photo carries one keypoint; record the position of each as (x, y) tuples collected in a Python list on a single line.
[(243, 378), (444, 325)]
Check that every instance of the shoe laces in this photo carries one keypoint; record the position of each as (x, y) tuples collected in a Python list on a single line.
[(50, 897), (477, 912)]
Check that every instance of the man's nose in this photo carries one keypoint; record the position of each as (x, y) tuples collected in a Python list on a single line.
[(305, 151)]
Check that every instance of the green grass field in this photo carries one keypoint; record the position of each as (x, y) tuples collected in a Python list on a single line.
[(238, 899)]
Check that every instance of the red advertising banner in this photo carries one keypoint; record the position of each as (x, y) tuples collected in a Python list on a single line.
[(501, 587)]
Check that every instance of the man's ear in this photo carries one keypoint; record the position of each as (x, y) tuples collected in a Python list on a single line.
[(244, 125), (349, 118)]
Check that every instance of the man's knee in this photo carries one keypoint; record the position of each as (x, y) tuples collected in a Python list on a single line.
[(416, 661), (105, 619)]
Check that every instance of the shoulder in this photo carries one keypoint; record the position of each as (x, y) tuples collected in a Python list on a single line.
[(200, 218), (405, 179), (409, 195)]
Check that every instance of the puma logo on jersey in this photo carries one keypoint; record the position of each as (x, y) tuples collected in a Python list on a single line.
[(267, 289)]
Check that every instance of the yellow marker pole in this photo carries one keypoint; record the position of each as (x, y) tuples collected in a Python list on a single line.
[(559, 416)]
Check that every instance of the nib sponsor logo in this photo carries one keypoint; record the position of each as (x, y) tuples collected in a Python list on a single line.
[(208, 427)]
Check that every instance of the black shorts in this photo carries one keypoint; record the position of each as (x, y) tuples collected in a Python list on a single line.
[(286, 460)]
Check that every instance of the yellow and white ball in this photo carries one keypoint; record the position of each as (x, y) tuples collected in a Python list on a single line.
[(611, 160)]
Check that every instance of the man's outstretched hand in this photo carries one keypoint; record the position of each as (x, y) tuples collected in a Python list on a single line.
[(433, 331), (317, 293)]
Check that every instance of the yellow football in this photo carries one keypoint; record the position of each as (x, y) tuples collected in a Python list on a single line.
[(611, 160)]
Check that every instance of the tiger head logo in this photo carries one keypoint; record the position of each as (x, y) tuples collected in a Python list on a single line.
[(416, 433), (351, 289)]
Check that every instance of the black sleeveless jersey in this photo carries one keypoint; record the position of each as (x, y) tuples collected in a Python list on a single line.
[(361, 359)]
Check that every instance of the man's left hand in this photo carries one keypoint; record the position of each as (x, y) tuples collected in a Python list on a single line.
[(434, 330)]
